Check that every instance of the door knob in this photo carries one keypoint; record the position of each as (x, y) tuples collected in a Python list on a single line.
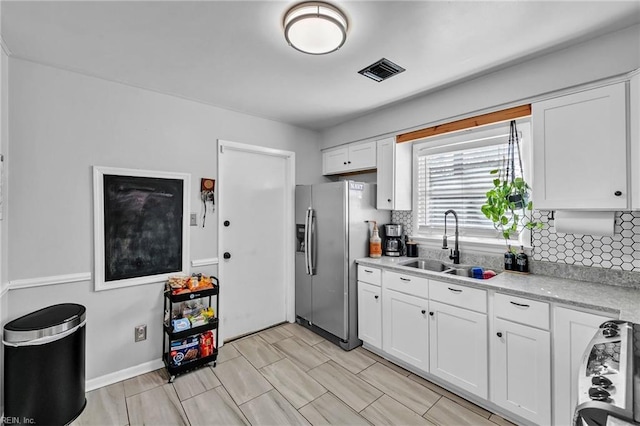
[(424, 312), (431, 313), (226, 223), (376, 296), (617, 193), (499, 334), (226, 255)]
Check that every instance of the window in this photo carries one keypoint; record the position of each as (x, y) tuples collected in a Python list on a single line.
[(452, 172)]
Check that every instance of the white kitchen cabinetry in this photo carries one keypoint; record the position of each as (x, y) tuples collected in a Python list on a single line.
[(405, 330), (370, 314), (458, 337), (394, 175), (634, 118), (521, 358), (369, 306), (350, 158), (580, 151), (572, 331)]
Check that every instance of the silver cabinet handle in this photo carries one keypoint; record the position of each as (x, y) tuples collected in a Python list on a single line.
[(519, 304), (456, 290), (405, 279)]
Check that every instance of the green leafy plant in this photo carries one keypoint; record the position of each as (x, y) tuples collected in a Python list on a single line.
[(508, 207)]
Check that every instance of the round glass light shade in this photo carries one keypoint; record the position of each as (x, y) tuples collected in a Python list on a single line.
[(315, 28)]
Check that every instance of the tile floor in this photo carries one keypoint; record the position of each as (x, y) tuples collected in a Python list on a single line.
[(280, 376)]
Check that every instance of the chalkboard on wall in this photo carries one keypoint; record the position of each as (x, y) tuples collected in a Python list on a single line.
[(140, 226)]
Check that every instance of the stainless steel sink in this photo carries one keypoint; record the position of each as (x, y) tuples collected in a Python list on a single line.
[(463, 272), (427, 264), (438, 266)]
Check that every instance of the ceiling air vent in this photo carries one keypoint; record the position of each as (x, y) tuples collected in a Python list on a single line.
[(381, 70)]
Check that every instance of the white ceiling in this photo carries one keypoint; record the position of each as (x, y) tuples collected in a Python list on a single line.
[(233, 54)]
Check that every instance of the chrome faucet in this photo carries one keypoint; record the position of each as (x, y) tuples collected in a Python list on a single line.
[(455, 253)]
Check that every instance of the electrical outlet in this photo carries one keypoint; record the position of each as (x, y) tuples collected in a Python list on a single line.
[(194, 219), (140, 333)]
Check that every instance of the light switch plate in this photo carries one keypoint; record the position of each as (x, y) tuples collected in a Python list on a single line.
[(194, 219)]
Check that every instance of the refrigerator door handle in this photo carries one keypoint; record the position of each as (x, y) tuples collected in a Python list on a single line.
[(312, 242), (306, 241)]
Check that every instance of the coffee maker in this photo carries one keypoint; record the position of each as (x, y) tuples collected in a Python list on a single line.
[(393, 244)]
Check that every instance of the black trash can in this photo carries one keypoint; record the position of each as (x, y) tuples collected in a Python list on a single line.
[(44, 361)]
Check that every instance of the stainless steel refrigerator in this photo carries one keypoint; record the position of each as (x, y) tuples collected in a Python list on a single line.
[(332, 232)]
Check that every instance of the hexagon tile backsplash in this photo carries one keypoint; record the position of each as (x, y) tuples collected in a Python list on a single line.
[(619, 252)]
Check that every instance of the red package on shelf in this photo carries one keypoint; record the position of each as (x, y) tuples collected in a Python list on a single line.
[(206, 344)]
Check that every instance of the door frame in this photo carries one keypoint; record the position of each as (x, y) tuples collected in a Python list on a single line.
[(289, 219)]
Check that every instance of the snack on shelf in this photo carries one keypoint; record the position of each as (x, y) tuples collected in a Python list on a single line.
[(208, 313), (197, 320), (179, 284), (184, 350), (192, 307), (206, 344)]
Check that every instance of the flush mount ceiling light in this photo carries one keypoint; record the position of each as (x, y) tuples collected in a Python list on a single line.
[(315, 28)]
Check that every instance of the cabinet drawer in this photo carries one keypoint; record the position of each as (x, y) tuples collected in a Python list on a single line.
[(524, 311), (407, 284), (465, 297), (369, 275)]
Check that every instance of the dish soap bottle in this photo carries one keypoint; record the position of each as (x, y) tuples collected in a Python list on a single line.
[(375, 243), (510, 260), (522, 261)]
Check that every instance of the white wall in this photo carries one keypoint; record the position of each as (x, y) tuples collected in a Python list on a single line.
[(61, 124), (606, 56)]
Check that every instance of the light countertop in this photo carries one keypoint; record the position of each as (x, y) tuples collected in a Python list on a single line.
[(618, 301)]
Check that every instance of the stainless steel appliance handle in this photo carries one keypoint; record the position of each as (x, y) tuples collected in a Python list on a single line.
[(307, 230), (311, 243)]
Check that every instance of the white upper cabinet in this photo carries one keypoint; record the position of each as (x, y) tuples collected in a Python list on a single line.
[(350, 158), (580, 151), (394, 175)]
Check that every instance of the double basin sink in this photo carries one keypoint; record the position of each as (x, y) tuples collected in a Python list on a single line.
[(438, 266)]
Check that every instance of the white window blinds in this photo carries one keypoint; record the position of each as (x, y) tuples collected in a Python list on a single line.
[(457, 177)]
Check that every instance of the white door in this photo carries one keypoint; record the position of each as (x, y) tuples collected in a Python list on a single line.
[(458, 347), (405, 328), (369, 314), (521, 370), (255, 234)]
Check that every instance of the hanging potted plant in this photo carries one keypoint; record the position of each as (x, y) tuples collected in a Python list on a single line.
[(507, 204)]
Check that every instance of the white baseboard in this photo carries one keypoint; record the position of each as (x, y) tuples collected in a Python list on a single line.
[(127, 373)]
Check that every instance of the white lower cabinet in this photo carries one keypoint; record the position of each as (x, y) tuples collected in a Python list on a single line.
[(521, 370), (370, 314), (405, 328), (458, 347), (572, 332)]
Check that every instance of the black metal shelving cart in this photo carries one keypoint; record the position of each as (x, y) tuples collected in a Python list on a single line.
[(176, 368)]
